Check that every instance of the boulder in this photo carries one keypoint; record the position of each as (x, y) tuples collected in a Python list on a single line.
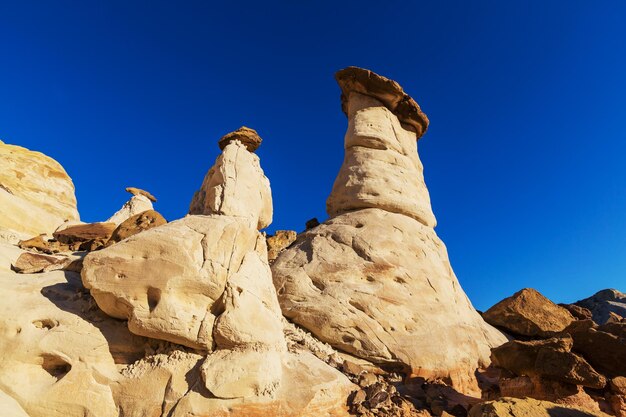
[(603, 303), (551, 358), (374, 280), (136, 224), (618, 385), (42, 244), (138, 203), (89, 236), (31, 263), (617, 396), (277, 242), (84, 232), (248, 137), (36, 194), (604, 347), (528, 313), (309, 388), (528, 407), (139, 191), (235, 186), (165, 280), (580, 313)]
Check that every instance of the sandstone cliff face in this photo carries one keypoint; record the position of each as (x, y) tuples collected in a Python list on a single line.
[(36, 194), (374, 280)]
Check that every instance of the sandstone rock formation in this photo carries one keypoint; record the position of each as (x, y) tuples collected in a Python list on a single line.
[(204, 282), (235, 186), (374, 280), (138, 203), (528, 313), (36, 194), (381, 167), (603, 303)]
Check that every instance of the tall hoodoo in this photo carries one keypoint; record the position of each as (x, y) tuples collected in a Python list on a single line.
[(381, 168), (375, 280)]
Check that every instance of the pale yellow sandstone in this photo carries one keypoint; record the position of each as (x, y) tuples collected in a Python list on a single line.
[(36, 194)]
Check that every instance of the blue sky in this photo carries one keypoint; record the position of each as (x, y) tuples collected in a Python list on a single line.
[(525, 157)]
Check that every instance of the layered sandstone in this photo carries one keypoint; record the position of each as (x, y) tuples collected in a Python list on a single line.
[(374, 280), (36, 194)]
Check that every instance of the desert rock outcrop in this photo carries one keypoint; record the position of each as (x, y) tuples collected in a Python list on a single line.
[(603, 303), (374, 280), (36, 194)]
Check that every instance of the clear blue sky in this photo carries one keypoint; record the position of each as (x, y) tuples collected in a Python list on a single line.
[(525, 158)]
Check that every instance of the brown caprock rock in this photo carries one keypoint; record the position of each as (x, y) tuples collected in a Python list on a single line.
[(375, 280), (139, 191), (248, 137)]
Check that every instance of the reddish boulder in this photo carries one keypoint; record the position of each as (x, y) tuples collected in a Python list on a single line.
[(136, 224), (603, 346), (528, 313), (551, 359)]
